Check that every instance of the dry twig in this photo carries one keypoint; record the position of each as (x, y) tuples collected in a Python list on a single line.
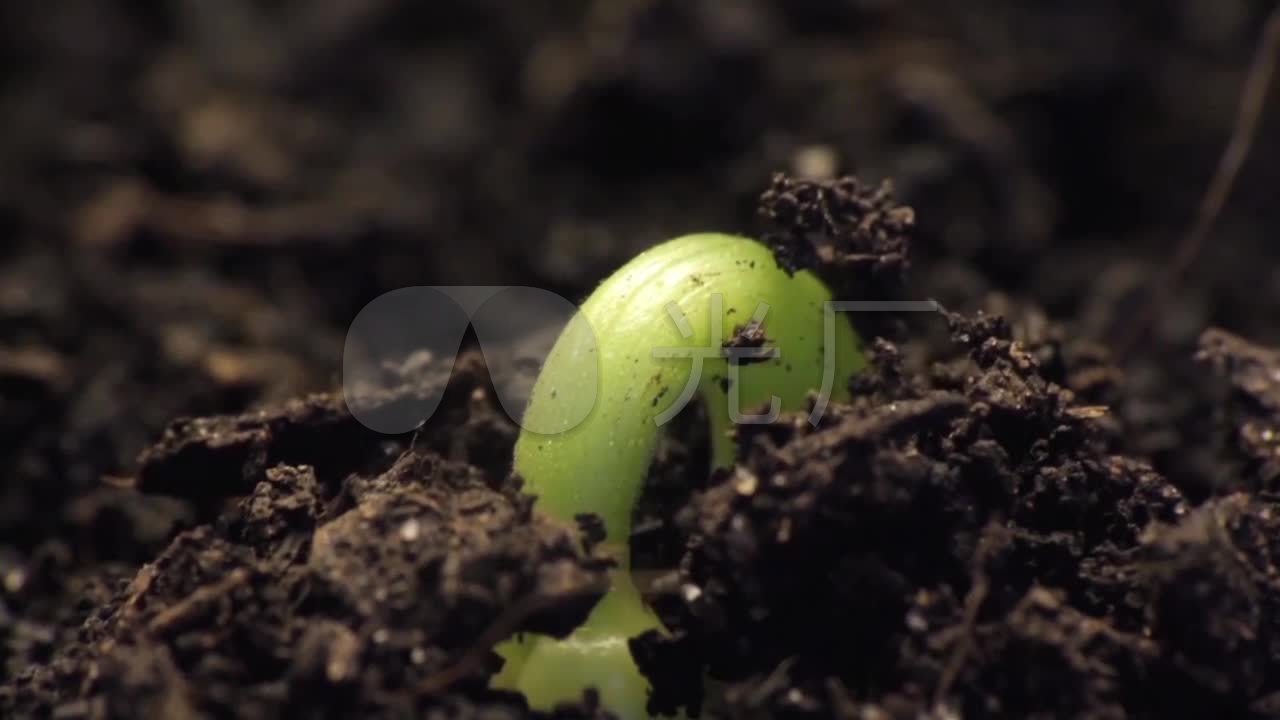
[(1248, 114)]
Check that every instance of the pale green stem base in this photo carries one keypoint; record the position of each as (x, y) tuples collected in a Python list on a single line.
[(596, 654)]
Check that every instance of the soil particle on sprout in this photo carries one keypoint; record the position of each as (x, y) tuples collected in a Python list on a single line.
[(748, 344)]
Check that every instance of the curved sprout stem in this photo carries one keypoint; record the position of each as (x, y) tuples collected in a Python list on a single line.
[(654, 335)]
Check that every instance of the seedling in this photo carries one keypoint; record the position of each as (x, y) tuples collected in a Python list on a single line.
[(708, 314)]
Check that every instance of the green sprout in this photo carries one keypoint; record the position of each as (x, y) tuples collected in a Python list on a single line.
[(652, 335)]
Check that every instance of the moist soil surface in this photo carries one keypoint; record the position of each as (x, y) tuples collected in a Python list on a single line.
[(1048, 499)]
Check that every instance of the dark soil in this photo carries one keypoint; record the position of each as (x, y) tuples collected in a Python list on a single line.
[(1012, 519)]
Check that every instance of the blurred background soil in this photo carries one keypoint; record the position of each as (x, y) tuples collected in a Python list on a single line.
[(197, 197)]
